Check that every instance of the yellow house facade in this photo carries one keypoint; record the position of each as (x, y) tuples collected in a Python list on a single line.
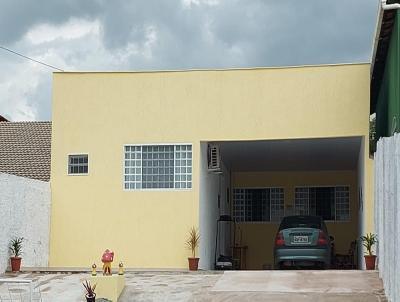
[(131, 171)]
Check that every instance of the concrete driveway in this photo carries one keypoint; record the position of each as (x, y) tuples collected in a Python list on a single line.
[(299, 286)]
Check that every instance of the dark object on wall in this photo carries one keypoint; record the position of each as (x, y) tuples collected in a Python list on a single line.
[(223, 243)]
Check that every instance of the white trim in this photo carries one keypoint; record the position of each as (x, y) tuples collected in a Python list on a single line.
[(376, 38), (210, 69), (386, 6), (157, 144), (174, 164), (123, 169), (77, 154), (381, 10), (156, 189)]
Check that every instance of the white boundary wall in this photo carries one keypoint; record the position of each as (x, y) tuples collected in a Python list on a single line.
[(24, 212), (387, 213)]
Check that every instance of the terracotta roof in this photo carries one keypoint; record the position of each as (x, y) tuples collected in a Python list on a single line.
[(25, 149)]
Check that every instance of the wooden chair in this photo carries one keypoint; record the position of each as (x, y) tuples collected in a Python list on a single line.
[(347, 261)]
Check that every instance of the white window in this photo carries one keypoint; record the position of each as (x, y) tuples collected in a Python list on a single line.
[(257, 205), (158, 167), (331, 203), (78, 164)]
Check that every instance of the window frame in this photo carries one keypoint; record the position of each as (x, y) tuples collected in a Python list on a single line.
[(156, 189), (78, 154), (255, 188), (326, 186)]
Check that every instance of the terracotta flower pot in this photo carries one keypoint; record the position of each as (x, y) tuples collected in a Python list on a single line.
[(370, 261), (91, 299), (15, 264), (193, 264)]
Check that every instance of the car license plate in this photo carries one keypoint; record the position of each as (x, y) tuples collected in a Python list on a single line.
[(300, 239)]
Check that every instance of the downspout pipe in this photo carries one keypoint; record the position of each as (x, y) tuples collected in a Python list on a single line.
[(386, 6)]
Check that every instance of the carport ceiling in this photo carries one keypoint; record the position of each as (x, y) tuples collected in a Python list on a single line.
[(292, 154)]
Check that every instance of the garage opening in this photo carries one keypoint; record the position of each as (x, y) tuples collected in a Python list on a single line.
[(258, 183)]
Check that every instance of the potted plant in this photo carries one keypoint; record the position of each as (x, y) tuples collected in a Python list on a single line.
[(369, 241), (192, 243), (90, 294), (16, 251)]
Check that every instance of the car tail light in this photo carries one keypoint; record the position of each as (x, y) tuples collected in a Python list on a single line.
[(322, 239), (279, 241)]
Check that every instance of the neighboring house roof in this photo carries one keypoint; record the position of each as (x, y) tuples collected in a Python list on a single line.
[(386, 20), (25, 149), (3, 119)]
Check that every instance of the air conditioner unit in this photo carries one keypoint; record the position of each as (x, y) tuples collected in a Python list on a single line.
[(214, 158)]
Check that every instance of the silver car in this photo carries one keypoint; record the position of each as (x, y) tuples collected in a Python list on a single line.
[(302, 241)]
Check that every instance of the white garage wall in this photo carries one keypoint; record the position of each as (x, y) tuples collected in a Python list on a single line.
[(361, 200), (211, 185), (24, 212)]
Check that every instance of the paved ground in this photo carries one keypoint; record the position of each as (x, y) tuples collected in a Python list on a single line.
[(299, 286), (286, 286)]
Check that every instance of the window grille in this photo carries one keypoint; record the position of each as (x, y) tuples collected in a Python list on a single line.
[(331, 203), (258, 205), (78, 164)]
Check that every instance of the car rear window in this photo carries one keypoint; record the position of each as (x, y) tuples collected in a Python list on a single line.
[(301, 222)]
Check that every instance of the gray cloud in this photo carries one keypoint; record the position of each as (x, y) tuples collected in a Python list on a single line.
[(173, 34), (17, 16)]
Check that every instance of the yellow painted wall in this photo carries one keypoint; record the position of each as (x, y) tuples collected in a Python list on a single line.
[(259, 237), (368, 193), (97, 113)]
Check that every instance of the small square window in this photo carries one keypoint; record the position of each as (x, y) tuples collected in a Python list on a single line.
[(78, 164)]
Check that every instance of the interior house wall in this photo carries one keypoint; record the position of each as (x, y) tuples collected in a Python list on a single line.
[(259, 237)]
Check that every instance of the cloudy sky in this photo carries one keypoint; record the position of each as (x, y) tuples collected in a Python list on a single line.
[(170, 34)]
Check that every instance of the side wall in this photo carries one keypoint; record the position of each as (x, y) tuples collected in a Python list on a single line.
[(24, 212), (211, 185), (362, 211), (365, 173), (260, 252), (387, 213), (97, 113), (388, 103)]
